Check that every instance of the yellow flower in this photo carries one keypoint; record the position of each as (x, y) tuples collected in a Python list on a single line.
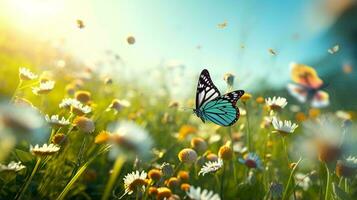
[(185, 130), (102, 137), (245, 97)]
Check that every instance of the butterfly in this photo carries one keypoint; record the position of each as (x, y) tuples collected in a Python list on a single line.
[(308, 87), (80, 24), (211, 106)]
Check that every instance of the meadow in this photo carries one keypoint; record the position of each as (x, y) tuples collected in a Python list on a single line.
[(68, 132), (104, 146)]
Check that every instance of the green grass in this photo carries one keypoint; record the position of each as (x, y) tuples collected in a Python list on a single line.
[(81, 170)]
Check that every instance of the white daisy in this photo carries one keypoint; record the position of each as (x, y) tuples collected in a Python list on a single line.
[(134, 180), (56, 121), (76, 106), (303, 180), (285, 127), (44, 87), (276, 103), (68, 102), (197, 194), (25, 74), (80, 109), (12, 166), (211, 166), (129, 137), (44, 150)]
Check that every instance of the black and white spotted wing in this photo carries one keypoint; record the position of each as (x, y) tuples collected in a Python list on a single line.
[(206, 90)]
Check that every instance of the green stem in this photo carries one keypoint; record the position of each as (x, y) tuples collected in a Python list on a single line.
[(290, 179), (16, 90), (248, 127), (327, 190), (116, 170), (28, 181), (72, 181), (222, 180), (79, 173), (286, 151), (234, 156), (346, 186)]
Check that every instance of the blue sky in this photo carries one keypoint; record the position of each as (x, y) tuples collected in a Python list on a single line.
[(170, 31)]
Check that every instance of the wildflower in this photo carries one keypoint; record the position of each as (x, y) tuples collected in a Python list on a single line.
[(84, 124), (300, 116), (44, 150), (135, 180), (83, 96), (163, 193), (80, 109), (44, 87), (102, 137), (23, 122), (276, 190), (198, 194), (199, 144), (211, 167), (118, 105), (285, 127), (187, 155), (346, 167), (185, 130), (276, 103), (225, 152), (153, 191), (328, 152), (212, 157), (130, 137), (59, 138), (260, 100), (155, 174), (130, 40), (245, 97), (183, 176), (54, 120), (185, 187), (12, 166), (68, 102), (70, 89), (167, 169), (252, 160), (322, 139), (76, 106), (173, 104), (25, 74), (314, 113), (229, 78), (303, 180), (173, 182)]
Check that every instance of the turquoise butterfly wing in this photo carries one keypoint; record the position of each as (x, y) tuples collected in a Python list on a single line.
[(211, 106), (222, 110)]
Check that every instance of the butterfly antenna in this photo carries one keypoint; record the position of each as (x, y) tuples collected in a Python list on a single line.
[(186, 108)]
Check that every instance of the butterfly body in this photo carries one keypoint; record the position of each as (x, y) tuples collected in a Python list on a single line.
[(211, 106)]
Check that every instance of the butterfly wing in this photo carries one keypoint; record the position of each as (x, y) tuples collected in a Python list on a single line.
[(305, 76), (299, 92), (320, 99), (222, 110), (206, 90)]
